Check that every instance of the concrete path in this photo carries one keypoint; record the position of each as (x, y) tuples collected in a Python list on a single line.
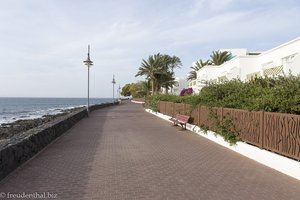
[(122, 152)]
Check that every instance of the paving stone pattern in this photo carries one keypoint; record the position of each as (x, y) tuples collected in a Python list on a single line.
[(122, 152)]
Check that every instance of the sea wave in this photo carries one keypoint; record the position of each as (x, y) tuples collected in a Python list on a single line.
[(9, 117), (15, 108)]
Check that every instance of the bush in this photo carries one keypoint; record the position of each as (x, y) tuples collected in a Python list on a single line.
[(281, 94), (185, 92)]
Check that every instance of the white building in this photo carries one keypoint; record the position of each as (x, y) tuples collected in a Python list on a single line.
[(244, 65), (181, 83)]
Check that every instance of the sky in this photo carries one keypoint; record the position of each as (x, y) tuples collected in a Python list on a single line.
[(43, 43)]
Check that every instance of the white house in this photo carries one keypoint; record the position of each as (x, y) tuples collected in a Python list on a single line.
[(181, 83), (245, 65)]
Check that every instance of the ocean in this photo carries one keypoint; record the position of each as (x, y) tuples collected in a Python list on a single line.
[(12, 109)]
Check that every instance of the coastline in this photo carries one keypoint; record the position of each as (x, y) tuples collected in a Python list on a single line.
[(8, 130), (19, 147), (24, 108)]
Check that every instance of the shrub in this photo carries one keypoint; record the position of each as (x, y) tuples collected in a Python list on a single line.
[(185, 92), (281, 94)]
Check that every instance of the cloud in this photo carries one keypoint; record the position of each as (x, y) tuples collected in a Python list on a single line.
[(202, 6), (217, 5), (43, 44)]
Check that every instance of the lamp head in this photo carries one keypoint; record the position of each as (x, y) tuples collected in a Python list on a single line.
[(88, 61)]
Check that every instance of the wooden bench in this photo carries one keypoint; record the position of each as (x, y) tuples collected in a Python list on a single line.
[(180, 119)]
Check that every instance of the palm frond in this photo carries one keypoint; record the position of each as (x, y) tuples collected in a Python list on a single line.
[(218, 57)]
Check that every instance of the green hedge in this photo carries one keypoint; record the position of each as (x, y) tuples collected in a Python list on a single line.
[(281, 94)]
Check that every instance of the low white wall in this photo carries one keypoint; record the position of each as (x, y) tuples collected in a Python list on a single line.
[(139, 102)]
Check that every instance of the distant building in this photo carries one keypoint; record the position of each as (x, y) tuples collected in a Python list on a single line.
[(245, 65), (181, 82)]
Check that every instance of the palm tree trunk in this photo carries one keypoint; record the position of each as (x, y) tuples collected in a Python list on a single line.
[(172, 84), (152, 83)]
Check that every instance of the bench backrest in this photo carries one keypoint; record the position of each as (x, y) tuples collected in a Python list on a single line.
[(183, 118)]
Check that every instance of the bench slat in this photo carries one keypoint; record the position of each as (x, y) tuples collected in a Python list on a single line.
[(180, 119)]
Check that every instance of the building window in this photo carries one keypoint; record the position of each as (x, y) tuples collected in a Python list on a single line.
[(289, 58)]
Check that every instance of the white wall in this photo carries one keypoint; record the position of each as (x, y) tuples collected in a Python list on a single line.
[(182, 83), (248, 65), (294, 66), (207, 73), (276, 54), (237, 68), (230, 69), (244, 64)]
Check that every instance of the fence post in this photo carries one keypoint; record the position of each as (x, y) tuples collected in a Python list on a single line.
[(200, 114), (165, 108), (199, 109), (173, 111), (222, 114), (262, 128), (159, 105)]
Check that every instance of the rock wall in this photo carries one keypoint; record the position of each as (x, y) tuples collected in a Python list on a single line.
[(21, 147)]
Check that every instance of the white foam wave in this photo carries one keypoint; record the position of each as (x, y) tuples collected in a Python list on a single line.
[(35, 114)]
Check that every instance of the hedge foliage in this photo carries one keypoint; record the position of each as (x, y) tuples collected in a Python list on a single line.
[(280, 94)]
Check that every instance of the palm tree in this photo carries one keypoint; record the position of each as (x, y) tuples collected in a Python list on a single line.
[(166, 80), (192, 75), (143, 88), (198, 65), (159, 70), (170, 64), (173, 62), (150, 68), (218, 57)]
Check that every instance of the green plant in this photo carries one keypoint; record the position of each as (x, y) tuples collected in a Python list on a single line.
[(280, 94), (224, 127), (204, 128), (227, 130), (276, 94), (152, 102)]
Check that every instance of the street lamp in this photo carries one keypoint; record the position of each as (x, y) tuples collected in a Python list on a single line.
[(113, 82), (88, 63), (119, 91)]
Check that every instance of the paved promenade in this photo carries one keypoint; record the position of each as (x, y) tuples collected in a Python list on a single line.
[(122, 152)]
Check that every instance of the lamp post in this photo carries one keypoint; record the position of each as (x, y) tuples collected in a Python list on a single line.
[(113, 82), (88, 63), (119, 91)]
